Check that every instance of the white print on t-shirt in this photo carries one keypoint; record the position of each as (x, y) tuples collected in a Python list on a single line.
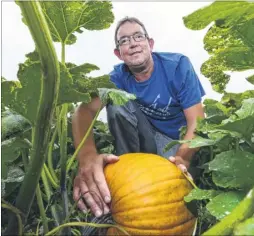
[(157, 112)]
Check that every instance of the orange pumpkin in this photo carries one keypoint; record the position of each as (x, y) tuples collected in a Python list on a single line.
[(147, 196)]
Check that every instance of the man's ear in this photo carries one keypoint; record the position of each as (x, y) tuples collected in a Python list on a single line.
[(117, 53), (151, 43)]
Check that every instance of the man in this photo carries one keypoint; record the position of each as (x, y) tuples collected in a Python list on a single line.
[(168, 96)]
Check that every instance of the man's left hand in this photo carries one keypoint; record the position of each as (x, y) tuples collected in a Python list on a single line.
[(181, 163)]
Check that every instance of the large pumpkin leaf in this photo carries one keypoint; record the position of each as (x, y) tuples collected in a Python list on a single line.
[(234, 100), (115, 96), (13, 124), (24, 99), (233, 169), (223, 204), (10, 151), (15, 174), (68, 17), (201, 194), (229, 41), (215, 111), (85, 83), (81, 69), (242, 121)]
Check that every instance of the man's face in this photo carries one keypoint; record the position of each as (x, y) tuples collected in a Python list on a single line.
[(134, 54)]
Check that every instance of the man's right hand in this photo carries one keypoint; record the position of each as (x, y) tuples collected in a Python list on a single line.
[(90, 187)]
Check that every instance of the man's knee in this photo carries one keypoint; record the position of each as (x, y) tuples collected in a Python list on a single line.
[(121, 113), (114, 111)]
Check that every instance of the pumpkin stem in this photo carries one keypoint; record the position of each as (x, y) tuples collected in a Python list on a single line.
[(190, 180)]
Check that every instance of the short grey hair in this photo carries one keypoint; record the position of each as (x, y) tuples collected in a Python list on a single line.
[(131, 20)]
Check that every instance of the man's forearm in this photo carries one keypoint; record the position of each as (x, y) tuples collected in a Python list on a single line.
[(184, 151), (82, 119)]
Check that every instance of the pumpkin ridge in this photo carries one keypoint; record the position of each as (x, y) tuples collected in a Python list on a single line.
[(115, 169), (147, 206), (134, 178), (173, 228), (145, 186), (135, 161)]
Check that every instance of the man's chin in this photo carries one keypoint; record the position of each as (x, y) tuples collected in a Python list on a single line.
[(137, 68)]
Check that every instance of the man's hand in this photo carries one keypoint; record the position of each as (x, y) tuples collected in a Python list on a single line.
[(90, 187), (181, 163)]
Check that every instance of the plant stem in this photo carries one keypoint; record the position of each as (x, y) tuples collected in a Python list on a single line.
[(50, 162), (48, 192), (33, 15), (242, 211), (82, 142), (42, 210), (63, 53), (50, 177), (17, 214), (55, 230), (63, 154)]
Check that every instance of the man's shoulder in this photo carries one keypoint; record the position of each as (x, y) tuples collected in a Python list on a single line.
[(168, 57), (120, 68)]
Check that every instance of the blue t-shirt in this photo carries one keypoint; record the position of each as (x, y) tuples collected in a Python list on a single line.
[(172, 87)]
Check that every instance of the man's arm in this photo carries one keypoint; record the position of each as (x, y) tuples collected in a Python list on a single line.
[(81, 120), (90, 182), (184, 153)]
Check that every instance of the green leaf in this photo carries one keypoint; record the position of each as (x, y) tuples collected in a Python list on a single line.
[(81, 69), (215, 111), (233, 169), (224, 203), (250, 79), (247, 109), (173, 143), (245, 228), (200, 194), (2, 189), (229, 41), (24, 99), (15, 174), (117, 97), (242, 124), (68, 92), (65, 18), (13, 124), (234, 100), (10, 151)]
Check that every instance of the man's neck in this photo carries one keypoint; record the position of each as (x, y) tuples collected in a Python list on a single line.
[(144, 74)]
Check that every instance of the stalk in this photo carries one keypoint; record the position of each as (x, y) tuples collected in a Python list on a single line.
[(50, 150), (50, 177), (42, 210), (55, 230), (63, 152), (39, 30), (38, 195), (17, 214), (242, 211), (82, 142), (48, 191)]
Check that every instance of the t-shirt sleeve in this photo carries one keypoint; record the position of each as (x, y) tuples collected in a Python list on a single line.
[(190, 90), (115, 78)]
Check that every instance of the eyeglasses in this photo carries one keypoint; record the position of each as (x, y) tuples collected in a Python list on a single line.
[(138, 37)]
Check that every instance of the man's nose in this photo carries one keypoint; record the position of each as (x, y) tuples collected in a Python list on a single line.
[(133, 43)]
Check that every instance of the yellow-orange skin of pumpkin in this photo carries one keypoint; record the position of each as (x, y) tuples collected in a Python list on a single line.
[(147, 196)]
